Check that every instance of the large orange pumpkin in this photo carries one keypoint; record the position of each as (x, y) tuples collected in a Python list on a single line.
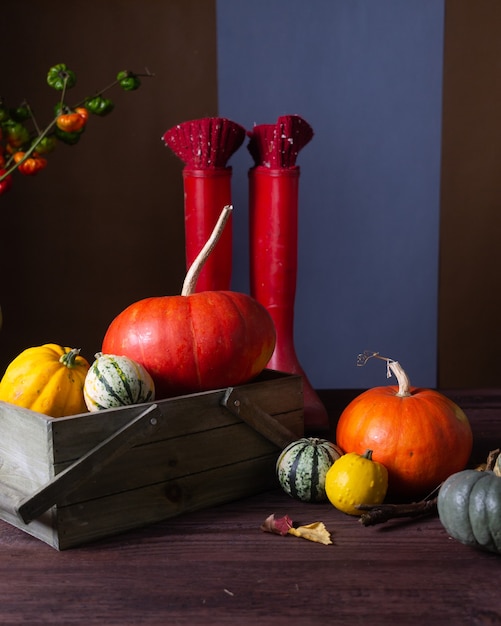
[(419, 435), (195, 341)]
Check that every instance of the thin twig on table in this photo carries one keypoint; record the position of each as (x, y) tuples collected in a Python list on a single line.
[(379, 513)]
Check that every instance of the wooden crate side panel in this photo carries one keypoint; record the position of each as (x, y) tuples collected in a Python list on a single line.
[(88, 521), (226, 467), (74, 437), (25, 448), (280, 397), (42, 528), (277, 395), (175, 458)]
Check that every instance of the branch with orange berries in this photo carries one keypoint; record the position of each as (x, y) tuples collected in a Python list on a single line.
[(24, 145)]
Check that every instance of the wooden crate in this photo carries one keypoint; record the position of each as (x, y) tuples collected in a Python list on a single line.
[(72, 480)]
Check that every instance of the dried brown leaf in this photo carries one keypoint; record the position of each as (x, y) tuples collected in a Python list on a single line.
[(313, 532)]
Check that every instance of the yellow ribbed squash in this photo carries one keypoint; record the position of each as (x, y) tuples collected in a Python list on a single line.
[(48, 379)]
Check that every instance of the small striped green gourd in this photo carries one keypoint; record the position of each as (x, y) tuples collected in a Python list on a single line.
[(114, 381), (302, 466)]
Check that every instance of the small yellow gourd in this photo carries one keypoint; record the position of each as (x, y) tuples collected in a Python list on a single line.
[(48, 379), (356, 479)]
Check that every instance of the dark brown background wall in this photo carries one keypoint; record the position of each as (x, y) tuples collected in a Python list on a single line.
[(470, 255), (103, 225)]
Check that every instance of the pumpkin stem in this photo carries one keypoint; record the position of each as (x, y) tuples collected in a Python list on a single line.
[(491, 459), (69, 358), (367, 455), (193, 273), (404, 384)]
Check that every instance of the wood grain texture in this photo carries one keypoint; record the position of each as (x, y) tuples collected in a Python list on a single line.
[(144, 463), (217, 567)]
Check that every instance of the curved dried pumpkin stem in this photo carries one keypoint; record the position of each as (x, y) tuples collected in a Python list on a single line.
[(193, 273), (404, 384), (491, 460)]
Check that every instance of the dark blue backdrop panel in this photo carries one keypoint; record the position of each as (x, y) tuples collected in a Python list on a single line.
[(367, 75)]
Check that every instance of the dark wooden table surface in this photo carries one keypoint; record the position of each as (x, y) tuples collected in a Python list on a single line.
[(217, 567)]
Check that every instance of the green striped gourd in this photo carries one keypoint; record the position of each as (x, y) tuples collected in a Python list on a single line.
[(114, 381), (302, 466)]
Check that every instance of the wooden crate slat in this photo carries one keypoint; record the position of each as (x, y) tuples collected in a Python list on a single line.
[(74, 436), (25, 447), (43, 528), (84, 522), (175, 458)]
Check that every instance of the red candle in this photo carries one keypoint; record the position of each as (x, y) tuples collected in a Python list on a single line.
[(273, 232), (206, 192)]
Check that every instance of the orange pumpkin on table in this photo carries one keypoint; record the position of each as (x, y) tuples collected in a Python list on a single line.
[(419, 435)]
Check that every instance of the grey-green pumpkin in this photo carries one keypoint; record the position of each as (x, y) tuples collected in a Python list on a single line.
[(469, 507), (302, 466)]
